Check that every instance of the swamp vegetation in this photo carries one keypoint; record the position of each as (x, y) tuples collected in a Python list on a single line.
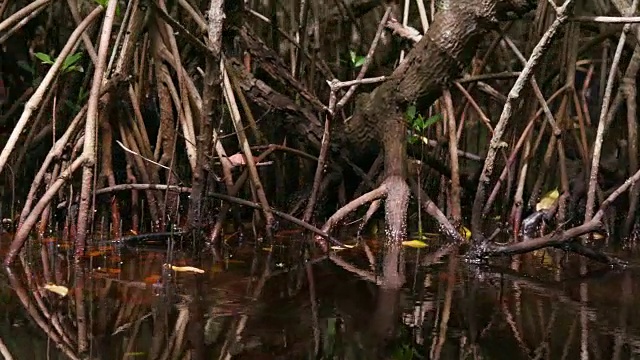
[(314, 179)]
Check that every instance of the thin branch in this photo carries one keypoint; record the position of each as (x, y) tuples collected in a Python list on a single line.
[(36, 99), (514, 94)]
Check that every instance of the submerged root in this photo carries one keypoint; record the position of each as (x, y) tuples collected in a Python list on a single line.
[(396, 224), (396, 191)]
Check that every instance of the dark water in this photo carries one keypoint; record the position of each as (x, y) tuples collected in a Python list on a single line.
[(126, 305)]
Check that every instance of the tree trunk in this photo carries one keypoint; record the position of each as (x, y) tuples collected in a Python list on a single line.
[(378, 118)]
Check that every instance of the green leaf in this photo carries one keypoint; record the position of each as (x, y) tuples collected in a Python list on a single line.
[(25, 66), (359, 61), (432, 120), (37, 81), (353, 56), (102, 2), (45, 58), (71, 60), (411, 112)]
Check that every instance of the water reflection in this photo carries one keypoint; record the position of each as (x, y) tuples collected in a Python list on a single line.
[(127, 304)]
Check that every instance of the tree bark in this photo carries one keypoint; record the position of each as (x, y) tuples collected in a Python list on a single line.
[(378, 118)]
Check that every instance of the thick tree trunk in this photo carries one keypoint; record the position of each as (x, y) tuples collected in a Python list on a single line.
[(378, 118), (440, 56)]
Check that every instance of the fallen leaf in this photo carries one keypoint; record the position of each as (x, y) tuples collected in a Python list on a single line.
[(338, 247), (152, 279), (187, 269), (417, 244), (114, 271), (424, 236), (548, 200), (58, 289)]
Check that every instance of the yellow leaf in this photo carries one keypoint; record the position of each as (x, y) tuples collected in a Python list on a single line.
[(187, 269), (424, 236), (338, 247), (548, 200), (267, 248), (466, 233), (58, 289), (415, 244)]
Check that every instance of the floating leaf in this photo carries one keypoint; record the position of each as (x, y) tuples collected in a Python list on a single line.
[(152, 279), (338, 247), (424, 236), (548, 200), (187, 269), (417, 244), (58, 289)]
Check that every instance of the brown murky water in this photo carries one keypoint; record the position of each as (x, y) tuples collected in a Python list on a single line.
[(127, 304)]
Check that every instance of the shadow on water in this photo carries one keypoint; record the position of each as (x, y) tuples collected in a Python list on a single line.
[(126, 303)]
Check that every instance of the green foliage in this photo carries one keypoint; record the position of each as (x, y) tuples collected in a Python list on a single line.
[(82, 97), (104, 4), (69, 64), (330, 336), (357, 60), (405, 352), (70, 61), (26, 66), (418, 124), (44, 58)]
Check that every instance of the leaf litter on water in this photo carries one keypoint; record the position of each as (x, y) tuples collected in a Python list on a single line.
[(186, 269), (58, 289)]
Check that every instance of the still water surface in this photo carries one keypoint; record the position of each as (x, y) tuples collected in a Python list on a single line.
[(125, 304)]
